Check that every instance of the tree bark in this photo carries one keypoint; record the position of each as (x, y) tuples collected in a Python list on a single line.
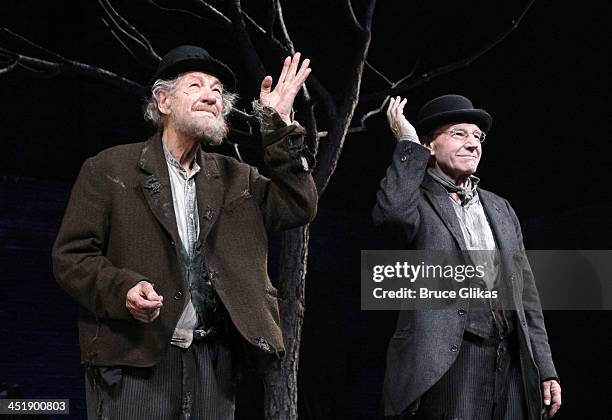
[(280, 382)]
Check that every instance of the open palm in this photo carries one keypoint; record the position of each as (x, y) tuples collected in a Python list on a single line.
[(288, 85)]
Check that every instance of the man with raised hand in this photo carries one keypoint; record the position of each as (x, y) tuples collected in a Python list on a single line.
[(474, 358), (164, 245)]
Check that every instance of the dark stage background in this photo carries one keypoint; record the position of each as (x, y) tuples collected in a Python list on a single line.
[(546, 85)]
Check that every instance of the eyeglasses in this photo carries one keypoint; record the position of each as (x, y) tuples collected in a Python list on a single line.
[(462, 135)]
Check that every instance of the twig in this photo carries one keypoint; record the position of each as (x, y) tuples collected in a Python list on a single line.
[(270, 35), (178, 10), (125, 46), (244, 115), (249, 54), (361, 127), (281, 22), (376, 71), (216, 13), (8, 67), (47, 68), (26, 41), (121, 25)]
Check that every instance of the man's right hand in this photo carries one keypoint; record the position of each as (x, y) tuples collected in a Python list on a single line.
[(397, 122), (143, 302)]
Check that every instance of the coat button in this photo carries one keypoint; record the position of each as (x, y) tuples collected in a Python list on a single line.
[(461, 312), (403, 158), (178, 295), (454, 348)]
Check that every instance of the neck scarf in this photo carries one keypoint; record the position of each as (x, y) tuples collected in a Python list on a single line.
[(465, 194)]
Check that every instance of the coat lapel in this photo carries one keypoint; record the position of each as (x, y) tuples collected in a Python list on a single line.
[(440, 201), (156, 187), (511, 260), (209, 191), (499, 223)]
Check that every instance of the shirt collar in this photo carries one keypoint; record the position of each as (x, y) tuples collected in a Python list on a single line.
[(175, 163)]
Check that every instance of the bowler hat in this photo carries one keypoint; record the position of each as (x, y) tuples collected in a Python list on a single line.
[(450, 109), (189, 58)]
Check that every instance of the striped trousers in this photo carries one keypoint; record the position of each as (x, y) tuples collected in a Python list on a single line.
[(484, 383), (194, 383)]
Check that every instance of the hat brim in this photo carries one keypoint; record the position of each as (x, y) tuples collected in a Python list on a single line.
[(210, 66), (473, 116)]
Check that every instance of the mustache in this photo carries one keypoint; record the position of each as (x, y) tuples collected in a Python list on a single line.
[(211, 109)]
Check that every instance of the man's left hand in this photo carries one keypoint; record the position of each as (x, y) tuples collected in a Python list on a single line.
[(288, 85), (551, 392)]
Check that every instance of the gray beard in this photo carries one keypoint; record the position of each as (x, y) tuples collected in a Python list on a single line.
[(212, 134)]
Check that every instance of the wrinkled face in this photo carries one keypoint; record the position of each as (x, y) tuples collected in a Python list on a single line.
[(456, 154), (196, 107)]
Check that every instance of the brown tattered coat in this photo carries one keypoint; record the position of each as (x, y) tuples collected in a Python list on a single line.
[(120, 228)]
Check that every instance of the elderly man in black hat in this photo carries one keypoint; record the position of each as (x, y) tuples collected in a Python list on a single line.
[(474, 358), (164, 245)]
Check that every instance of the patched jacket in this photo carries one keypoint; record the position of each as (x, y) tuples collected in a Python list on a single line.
[(120, 228)]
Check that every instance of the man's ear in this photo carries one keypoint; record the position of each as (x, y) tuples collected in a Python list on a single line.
[(163, 102), (429, 146)]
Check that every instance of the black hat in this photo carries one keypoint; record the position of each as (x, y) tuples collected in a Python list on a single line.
[(450, 109), (189, 58)]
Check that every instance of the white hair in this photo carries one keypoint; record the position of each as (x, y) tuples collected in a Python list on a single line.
[(151, 109)]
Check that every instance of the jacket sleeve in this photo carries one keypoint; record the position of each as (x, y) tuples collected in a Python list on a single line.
[(79, 264), (288, 198), (533, 311), (398, 196)]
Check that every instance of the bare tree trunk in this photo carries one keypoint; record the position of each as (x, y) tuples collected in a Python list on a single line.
[(281, 382), (281, 397)]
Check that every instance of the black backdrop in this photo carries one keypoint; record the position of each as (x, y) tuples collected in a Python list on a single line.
[(546, 85)]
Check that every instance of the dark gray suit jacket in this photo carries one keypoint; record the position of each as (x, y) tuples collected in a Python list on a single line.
[(425, 343)]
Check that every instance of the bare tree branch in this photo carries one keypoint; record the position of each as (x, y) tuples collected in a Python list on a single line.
[(270, 16), (368, 15), (248, 119), (47, 68), (281, 22), (331, 149), (254, 23), (245, 116), (118, 38), (377, 72), (10, 66), (268, 33), (361, 127), (215, 12), (120, 25), (398, 82), (249, 55), (187, 13), (310, 121), (409, 74), (313, 81), (350, 14), (30, 43), (464, 62), (60, 64)]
